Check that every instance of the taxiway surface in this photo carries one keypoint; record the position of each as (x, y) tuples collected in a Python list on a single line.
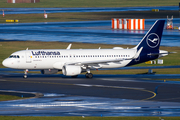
[(100, 96)]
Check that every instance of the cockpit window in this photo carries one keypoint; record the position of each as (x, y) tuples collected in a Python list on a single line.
[(14, 56), (11, 56)]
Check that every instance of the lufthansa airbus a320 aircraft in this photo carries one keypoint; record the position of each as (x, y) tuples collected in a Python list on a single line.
[(73, 62)]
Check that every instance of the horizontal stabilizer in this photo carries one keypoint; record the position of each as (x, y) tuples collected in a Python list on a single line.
[(154, 54)]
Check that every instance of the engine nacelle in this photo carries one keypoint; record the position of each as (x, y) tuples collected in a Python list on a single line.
[(71, 70), (48, 72)]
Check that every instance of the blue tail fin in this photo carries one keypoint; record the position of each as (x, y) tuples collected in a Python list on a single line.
[(152, 39), (148, 48)]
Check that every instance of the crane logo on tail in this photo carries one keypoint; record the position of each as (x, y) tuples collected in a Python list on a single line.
[(153, 40)]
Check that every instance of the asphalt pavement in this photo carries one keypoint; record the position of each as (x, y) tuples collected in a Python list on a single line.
[(100, 96)]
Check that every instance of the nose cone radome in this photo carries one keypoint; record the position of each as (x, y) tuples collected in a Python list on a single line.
[(6, 63)]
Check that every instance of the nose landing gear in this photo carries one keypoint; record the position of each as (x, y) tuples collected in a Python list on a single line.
[(25, 73)]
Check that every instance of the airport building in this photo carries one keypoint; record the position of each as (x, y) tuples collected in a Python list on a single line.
[(23, 1)]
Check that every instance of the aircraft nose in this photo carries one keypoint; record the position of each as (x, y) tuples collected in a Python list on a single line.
[(5, 63)]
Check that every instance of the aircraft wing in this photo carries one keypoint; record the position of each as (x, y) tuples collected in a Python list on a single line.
[(96, 64)]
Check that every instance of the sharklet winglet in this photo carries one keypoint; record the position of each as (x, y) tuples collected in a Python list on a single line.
[(69, 47)]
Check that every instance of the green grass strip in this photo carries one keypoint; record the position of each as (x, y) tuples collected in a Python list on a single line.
[(8, 97)]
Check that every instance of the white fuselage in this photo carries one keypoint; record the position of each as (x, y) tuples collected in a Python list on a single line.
[(57, 58)]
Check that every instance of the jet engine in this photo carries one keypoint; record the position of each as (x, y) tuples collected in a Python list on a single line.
[(48, 71), (71, 70)]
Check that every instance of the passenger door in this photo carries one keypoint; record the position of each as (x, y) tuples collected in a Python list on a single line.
[(28, 57)]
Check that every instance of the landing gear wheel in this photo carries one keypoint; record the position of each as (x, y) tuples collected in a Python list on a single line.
[(25, 73), (89, 75), (25, 76), (86, 75)]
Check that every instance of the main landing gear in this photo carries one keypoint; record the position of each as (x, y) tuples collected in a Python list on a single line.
[(88, 74), (25, 73)]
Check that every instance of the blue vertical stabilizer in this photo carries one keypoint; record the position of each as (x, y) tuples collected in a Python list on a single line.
[(148, 47), (152, 39)]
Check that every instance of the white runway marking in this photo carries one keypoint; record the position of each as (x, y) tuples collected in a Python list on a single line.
[(88, 85)]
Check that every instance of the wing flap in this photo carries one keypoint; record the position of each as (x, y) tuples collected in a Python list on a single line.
[(95, 62)]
